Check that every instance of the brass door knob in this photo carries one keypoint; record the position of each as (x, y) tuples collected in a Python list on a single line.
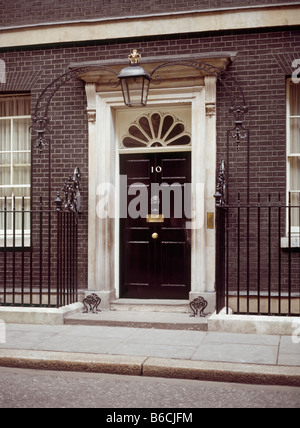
[(154, 235)]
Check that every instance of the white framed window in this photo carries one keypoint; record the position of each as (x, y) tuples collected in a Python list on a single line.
[(293, 151), (15, 168)]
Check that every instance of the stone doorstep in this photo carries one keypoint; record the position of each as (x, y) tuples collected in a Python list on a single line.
[(243, 324), (150, 305), (139, 319), (142, 313), (72, 315)]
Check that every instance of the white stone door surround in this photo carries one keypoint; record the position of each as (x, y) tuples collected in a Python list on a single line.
[(103, 245)]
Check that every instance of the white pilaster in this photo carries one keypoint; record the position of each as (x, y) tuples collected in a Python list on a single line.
[(210, 184), (90, 89), (101, 230), (204, 173)]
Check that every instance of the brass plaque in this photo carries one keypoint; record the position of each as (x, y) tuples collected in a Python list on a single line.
[(155, 218), (210, 220)]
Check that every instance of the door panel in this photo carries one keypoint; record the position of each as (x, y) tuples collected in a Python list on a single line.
[(139, 253), (172, 254), (174, 169), (155, 254), (138, 169)]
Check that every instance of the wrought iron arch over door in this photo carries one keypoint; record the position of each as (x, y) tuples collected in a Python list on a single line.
[(236, 100), (41, 121)]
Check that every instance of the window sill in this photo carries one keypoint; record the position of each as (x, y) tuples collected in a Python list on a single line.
[(15, 242), (295, 242)]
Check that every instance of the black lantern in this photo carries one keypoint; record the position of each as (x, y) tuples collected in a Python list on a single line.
[(135, 82)]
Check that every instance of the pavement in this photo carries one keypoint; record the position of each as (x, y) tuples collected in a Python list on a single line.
[(172, 346)]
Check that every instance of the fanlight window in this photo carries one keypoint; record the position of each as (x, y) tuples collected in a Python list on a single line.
[(156, 130)]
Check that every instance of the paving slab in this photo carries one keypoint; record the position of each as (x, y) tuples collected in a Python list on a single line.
[(237, 353), (183, 353), (289, 346), (251, 339), (167, 337)]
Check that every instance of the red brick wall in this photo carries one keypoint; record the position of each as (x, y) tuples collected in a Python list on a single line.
[(19, 12), (263, 62)]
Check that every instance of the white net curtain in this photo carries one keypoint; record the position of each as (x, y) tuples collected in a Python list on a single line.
[(15, 158)]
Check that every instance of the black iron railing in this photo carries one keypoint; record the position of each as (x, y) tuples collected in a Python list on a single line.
[(38, 255), (258, 256)]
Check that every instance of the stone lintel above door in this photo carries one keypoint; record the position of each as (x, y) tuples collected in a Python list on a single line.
[(181, 70)]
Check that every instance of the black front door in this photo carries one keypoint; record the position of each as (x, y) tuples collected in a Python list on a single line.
[(155, 247)]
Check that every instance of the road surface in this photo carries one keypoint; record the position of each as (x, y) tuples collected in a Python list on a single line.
[(21, 388)]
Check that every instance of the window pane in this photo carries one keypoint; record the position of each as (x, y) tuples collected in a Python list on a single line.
[(5, 169), (135, 132), (18, 217), (177, 130), (295, 211), (294, 99), (5, 135), (295, 135), (19, 214), (15, 106), (168, 122), (144, 123), (8, 223), (21, 171), (21, 134), (181, 141), (2, 194), (295, 173), (19, 192), (131, 142), (155, 118)]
